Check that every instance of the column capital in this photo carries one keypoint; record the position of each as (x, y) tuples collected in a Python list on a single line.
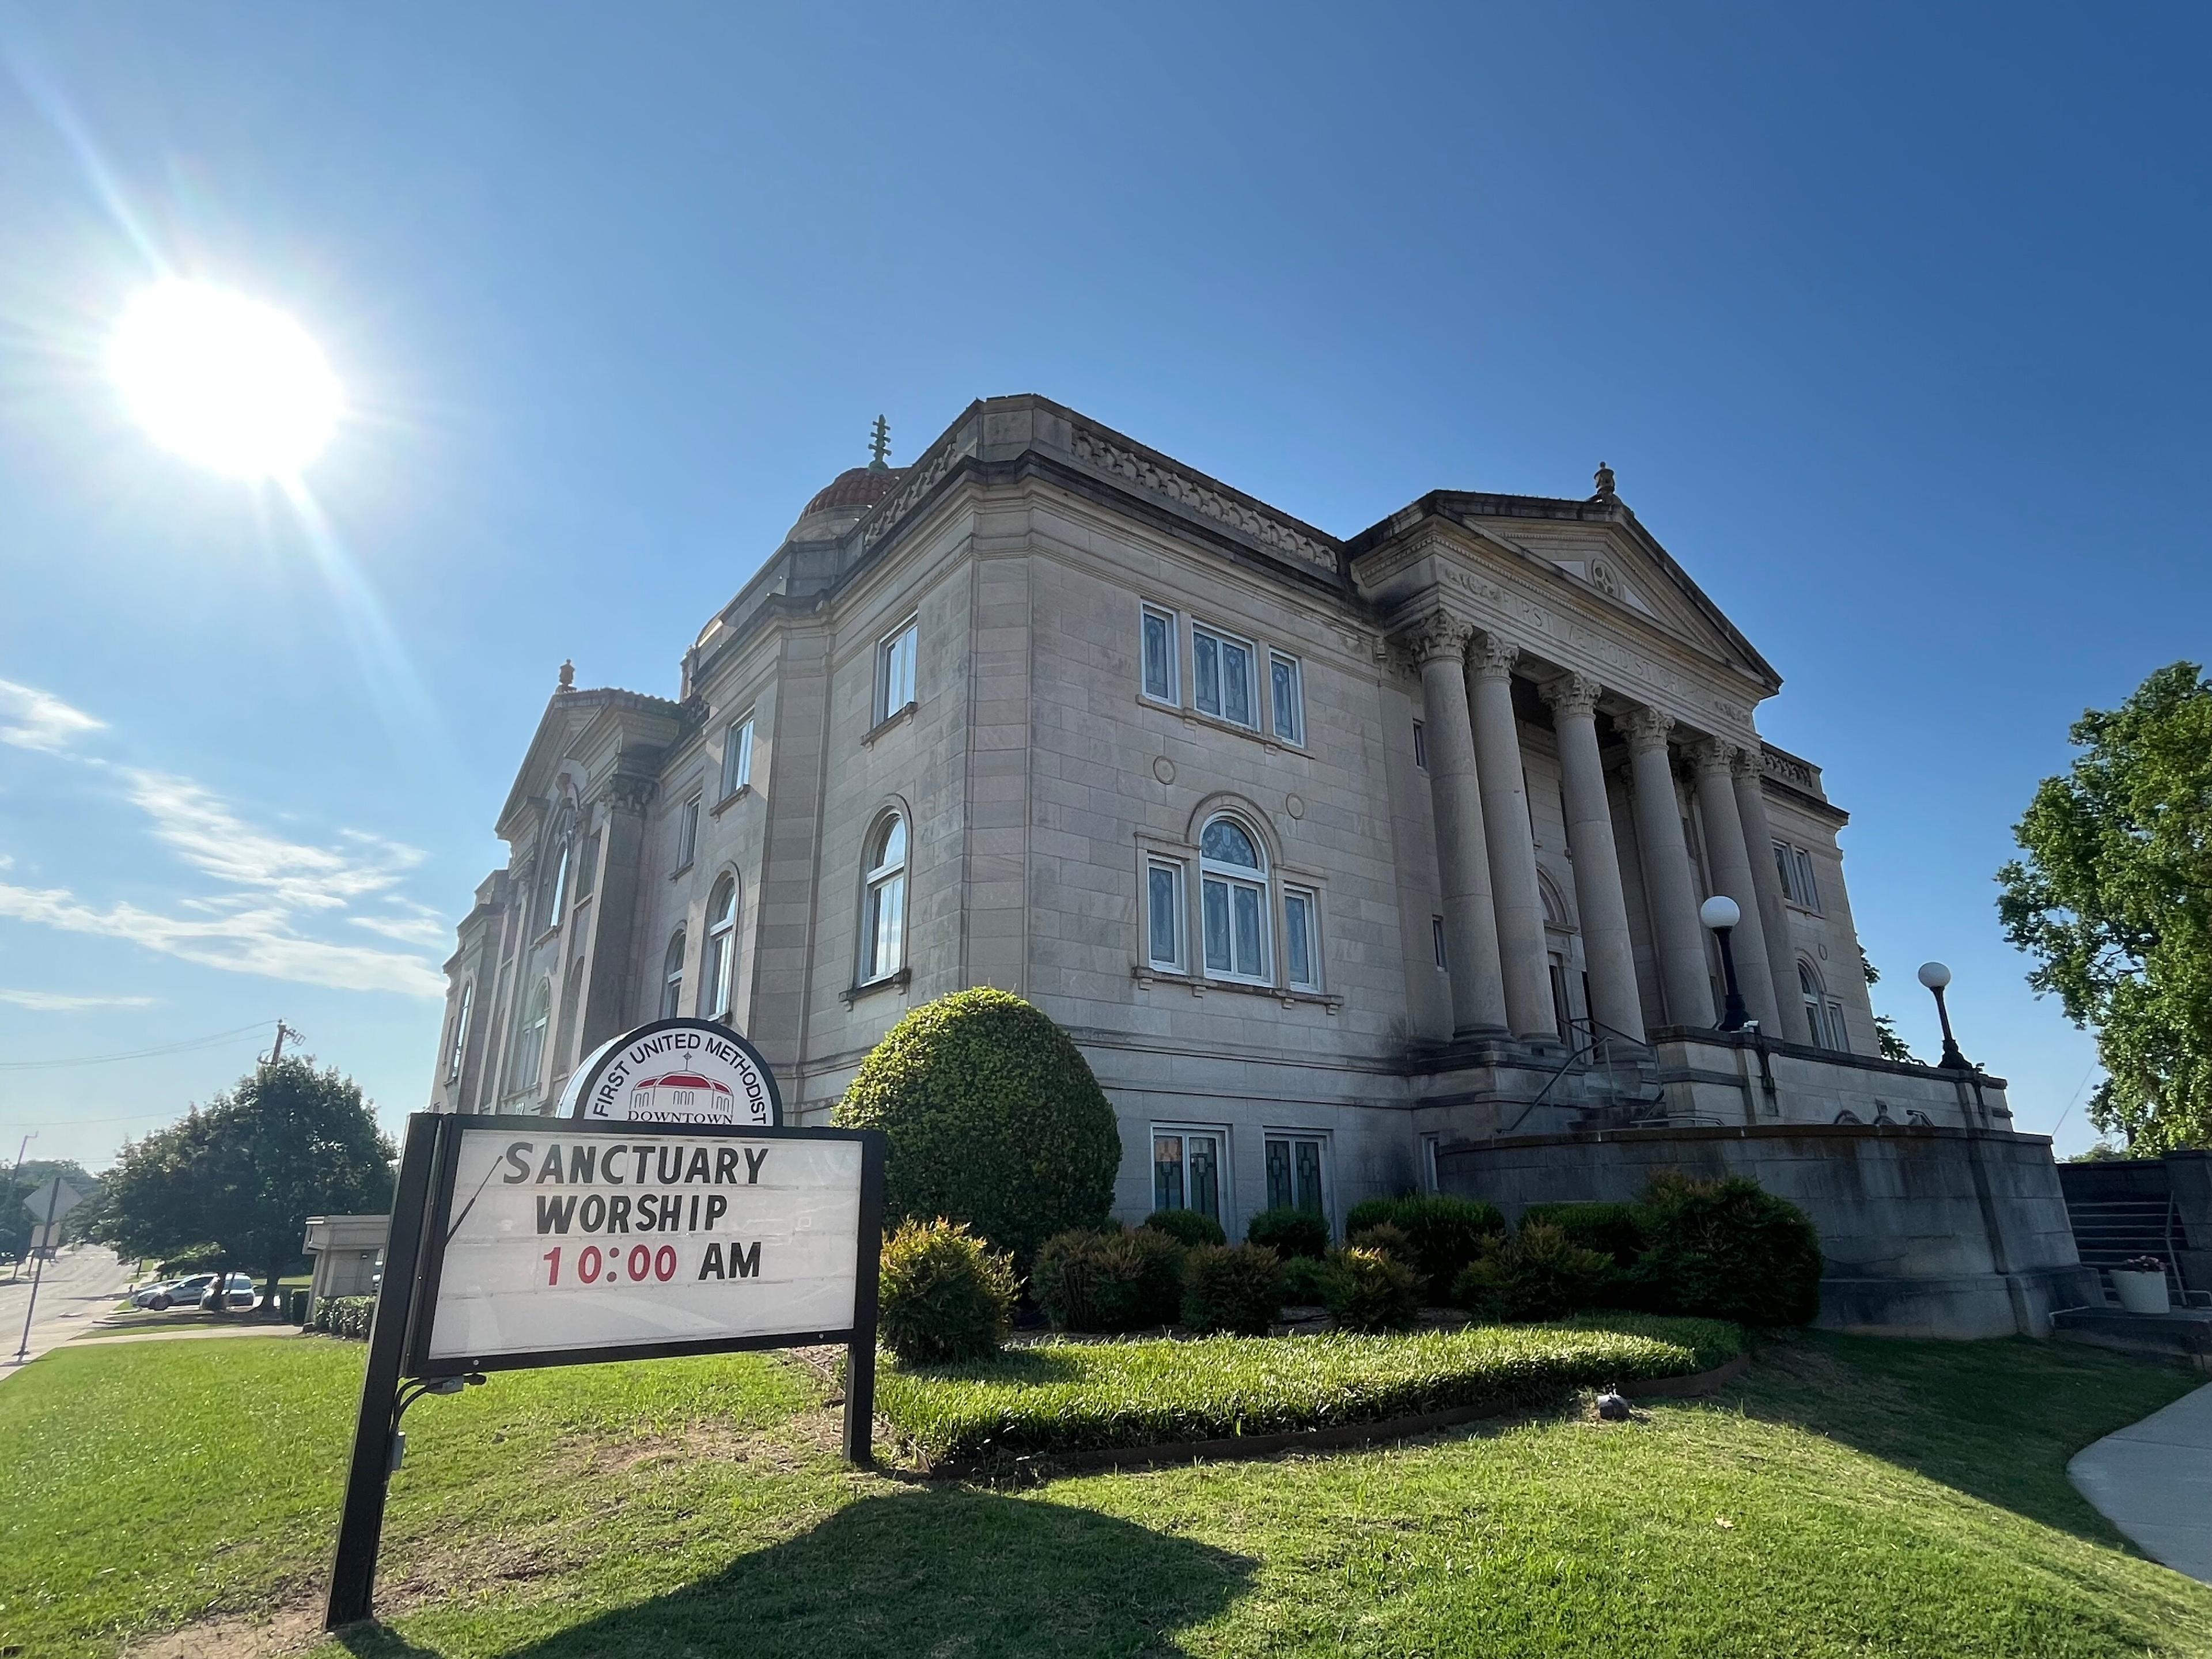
[(1648, 729), (1745, 765), (1714, 754), (1492, 658), (1572, 696), (627, 792), (1434, 636)]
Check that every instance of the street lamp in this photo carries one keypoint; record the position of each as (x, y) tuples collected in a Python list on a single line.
[(1935, 976), (1721, 914)]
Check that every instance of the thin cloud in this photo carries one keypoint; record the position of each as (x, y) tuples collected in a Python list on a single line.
[(202, 830), (56, 1002), (409, 930), (32, 719)]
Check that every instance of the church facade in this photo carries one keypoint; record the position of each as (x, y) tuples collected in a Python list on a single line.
[(1337, 857)]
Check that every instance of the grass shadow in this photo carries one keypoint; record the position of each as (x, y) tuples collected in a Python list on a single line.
[(1996, 1420), (928, 1570)]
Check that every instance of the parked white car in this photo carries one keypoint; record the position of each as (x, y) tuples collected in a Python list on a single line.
[(189, 1293)]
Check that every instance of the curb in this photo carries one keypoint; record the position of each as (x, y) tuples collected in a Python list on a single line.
[(1245, 1447)]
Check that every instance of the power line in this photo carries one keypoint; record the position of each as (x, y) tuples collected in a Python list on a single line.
[(186, 1046)]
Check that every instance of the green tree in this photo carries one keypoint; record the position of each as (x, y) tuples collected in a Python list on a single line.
[(16, 1221), (2113, 899), (286, 1143), (1894, 1046)]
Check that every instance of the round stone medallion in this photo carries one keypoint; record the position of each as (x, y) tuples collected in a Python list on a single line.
[(1163, 769), (1295, 806)]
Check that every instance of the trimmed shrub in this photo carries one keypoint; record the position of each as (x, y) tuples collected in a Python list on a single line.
[(994, 1119), (1370, 1290), (346, 1317), (1445, 1233), (1238, 1288), (1306, 1281), (1385, 1238), (1187, 1227), (1108, 1280), (944, 1295), (1535, 1274), (1729, 1250), (1289, 1232), (1618, 1230)]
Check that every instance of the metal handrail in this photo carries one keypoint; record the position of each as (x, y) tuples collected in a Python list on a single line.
[(1595, 1026)]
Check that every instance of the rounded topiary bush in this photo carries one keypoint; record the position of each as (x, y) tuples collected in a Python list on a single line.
[(1444, 1233), (1369, 1290), (1187, 1227), (1237, 1288), (993, 1118), (944, 1294), (1289, 1232), (1538, 1273), (1729, 1250), (1109, 1281), (1306, 1281), (1385, 1238), (1617, 1230)]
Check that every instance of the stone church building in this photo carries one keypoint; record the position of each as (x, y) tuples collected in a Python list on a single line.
[(1353, 865)]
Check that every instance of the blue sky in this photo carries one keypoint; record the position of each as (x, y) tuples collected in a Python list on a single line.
[(1890, 320)]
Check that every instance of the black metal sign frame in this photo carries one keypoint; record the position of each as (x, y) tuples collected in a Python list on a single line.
[(406, 1305)]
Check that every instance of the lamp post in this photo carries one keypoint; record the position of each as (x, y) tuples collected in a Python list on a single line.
[(1721, 914), (1935, 976)]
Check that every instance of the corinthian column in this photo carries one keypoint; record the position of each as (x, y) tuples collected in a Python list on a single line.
[(1438, 643), (1607, 952), (1512, 843), (1731, 862), (1666, 878), (1773, 914)]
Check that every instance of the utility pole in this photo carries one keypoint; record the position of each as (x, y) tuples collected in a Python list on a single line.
[(16, 1266), (277, 1053)]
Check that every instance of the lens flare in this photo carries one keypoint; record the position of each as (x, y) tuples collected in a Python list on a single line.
[(226, 382)]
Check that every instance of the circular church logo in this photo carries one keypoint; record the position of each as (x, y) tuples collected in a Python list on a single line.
[(676, 1070)]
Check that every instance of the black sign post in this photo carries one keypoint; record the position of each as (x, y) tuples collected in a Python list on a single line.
[(429, 1214)]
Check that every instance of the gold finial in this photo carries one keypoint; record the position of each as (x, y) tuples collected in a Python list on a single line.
[(1604, 483), (879, 446), (568, 675)]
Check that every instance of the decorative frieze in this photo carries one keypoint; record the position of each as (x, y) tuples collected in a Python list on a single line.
[(1156, 477), (923, 477)]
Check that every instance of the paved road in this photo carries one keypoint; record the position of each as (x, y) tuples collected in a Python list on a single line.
[(78, 1285), (2153, 1480)]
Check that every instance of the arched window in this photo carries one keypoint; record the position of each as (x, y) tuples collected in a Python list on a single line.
[(530, 1039), (561, 857), (1823, 1013), (720, 968), (672, 978), (1233, 901), (883, 909), (460, 1046)]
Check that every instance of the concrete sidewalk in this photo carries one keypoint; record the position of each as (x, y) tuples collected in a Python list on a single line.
[(2153, 1480)]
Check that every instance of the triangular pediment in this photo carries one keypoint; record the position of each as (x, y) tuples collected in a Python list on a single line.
[(567, 730)]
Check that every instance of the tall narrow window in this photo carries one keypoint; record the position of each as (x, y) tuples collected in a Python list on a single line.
[(1301, 939), (1795, 865), (895, 668), (1164, 915), (720, 967), (1295, 1174), (687, 833), (737, 756), (1420, 745), (587, 868), (1221, 671), (1816, 1013), (559, 854), (460, 1046), (1839, 1039), (530, 1039), (672, 978), (1233, 901), (1187, 1171), (1159, 654), (884, 908), (1436, 939), (1287, 697)]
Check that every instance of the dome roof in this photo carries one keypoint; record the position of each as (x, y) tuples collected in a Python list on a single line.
[(846, 501), (856, 490)]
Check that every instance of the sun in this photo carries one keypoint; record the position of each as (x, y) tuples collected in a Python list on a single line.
[(227, 382)]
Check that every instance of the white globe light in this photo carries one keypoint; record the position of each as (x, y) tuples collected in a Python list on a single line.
[(1719, 911), (1935, 976), (227, 382)]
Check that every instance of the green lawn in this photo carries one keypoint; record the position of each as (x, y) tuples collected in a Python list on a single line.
[(1847, 1498), (1075, 1396)]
